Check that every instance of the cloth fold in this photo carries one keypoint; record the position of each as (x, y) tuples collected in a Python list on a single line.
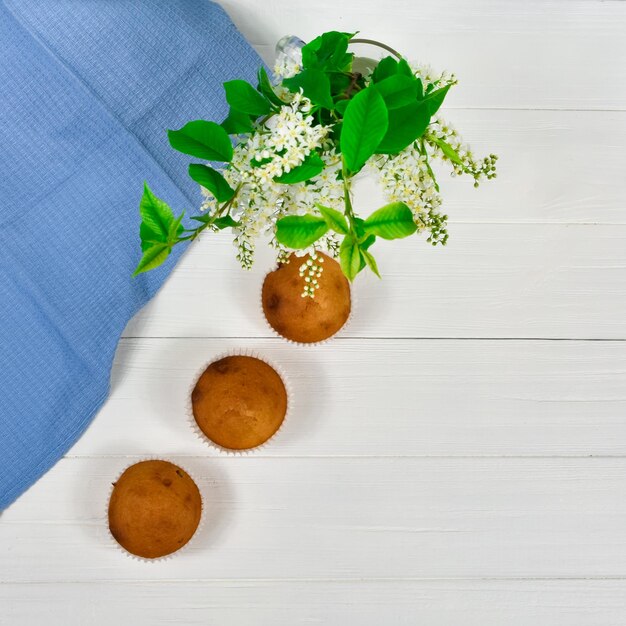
[(87, 92)]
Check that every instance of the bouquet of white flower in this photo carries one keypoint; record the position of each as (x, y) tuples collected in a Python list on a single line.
[(291, 147)]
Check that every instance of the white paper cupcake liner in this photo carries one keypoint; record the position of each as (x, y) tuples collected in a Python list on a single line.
[(353, 306), (171, 555), (200, 433)]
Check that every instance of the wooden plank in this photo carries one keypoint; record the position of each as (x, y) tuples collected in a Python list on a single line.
[(535, 54), (545, 174), (289, 603), (555, 166), (385, 397), (340, 518), (491, 281), (402, 533)]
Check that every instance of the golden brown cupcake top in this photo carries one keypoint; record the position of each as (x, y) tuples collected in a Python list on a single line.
[(239, 402), (155, 509), (305, 319)]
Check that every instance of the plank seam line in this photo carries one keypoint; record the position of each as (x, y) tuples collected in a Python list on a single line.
[(163, 581), (356, 338), (358, 456)]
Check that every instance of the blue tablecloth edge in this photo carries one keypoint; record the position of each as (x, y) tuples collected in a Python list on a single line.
[(37, 472)]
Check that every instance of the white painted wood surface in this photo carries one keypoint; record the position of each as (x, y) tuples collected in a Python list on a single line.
[(458, 455)]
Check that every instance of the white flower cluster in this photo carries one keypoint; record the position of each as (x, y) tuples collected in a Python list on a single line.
[(326, 188), (277, 145), (428, 76), (283, 140), (311, 270), (407, 178), (479, 169), (288, 137)]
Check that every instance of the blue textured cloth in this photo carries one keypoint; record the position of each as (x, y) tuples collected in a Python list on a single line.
[(87, 90)]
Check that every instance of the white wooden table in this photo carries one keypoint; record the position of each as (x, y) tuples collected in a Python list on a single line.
[(458, 456)]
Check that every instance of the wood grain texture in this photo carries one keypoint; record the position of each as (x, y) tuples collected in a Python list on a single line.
[(340, 518), (491, 281), (457, 456), (385, 398), (335, 603), (523, 54), (544, 173)]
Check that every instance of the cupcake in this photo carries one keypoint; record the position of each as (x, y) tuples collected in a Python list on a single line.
[(306, 311), (155, 509), (239, 402)]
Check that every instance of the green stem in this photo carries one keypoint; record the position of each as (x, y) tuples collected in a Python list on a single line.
[(424, 152), (267, 117), (349, 211), (220, 211)]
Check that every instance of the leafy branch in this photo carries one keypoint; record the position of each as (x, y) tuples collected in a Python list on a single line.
[(365, 119)]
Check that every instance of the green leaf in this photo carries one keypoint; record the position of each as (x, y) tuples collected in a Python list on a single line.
[(265, 87), (225, 222), (205, 218), (341, 106), (147, 237), (328, 52), (350, 257), (398, 91), (315, 86), (309, 168), (387, 67), (406, 124), (339, 83), (370, 261), (221, 222), (237, 123), (364, 126), (448, 150), (420, 88), (336, 221), (242, 96), (156, 218), (260, 162), (202, 139), (152, 257), (366, 244), (435, 99), (404, 68), (335, 132), (359, 228), (300, 231), (393, 221), (175, 229), (212, 180)]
